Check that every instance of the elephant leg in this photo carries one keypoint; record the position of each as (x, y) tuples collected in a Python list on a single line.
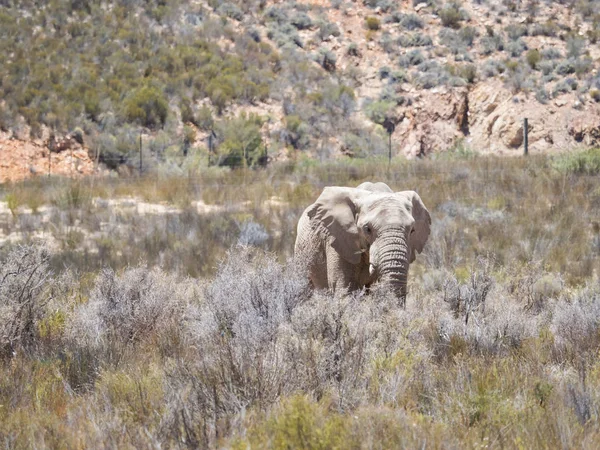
[(318, 268), (341, 275), (310, 250)]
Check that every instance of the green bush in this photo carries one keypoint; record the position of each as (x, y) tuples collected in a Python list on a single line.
[(584, 162), (147, 106), (451, 17), (533, 58), (240, 141), (468, 72), (372, 23), (378, 111)]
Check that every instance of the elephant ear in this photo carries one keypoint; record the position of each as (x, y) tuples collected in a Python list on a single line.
[(335, 211), (422, 225), (375, 187)]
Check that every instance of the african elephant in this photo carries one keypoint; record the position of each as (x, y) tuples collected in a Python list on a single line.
[(351, 237)]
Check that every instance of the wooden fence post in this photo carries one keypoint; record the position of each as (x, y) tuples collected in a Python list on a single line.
[(141, 164), (525, 137)]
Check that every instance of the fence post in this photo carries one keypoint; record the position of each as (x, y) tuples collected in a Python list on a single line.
[(210, 146), (525, 137), (389, 126), (141, 166)]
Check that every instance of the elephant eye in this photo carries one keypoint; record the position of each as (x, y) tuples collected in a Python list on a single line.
[(367, 229), (412, 231)]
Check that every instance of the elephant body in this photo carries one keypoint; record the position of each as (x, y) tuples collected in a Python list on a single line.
[(351, 237)]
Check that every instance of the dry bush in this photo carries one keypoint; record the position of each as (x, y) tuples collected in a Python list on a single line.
[(27, 286), (125, 309), (236, 334)]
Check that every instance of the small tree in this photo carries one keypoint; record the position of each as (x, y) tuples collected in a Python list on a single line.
[(241, 140)]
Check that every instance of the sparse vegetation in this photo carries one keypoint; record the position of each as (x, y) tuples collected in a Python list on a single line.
[(138, 354)]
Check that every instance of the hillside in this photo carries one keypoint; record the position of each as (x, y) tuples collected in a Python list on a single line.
[(284, 78)]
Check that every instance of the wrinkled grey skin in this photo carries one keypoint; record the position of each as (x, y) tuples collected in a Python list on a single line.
[(351, 237)]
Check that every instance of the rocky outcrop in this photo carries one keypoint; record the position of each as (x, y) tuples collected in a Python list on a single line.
[(489, 118), (25, 159)]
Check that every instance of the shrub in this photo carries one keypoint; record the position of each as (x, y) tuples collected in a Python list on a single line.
[(285, 35), (327, 29), (126, 309), (562, 87), (414, 40), (412, 58), (26, 288), (240, 141), (384, 72), (302, 21), (231, 10), (533, 58), (398, 76), (468, 72), (411, 22), (491, 68), (583, 66), (147, 106), (468, 35), (327, 59), (515, 48), (581, 162), (353, 50), (548, 28), (565, 67), (492, 44), (516, 31), (551, 53), (546, 67), (372, 23), (541, 95), (379, 111), (383, 5), (575, 46), (595, 95), (451, 16)]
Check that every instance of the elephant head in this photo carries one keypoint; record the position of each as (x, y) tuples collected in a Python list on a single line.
[(378, 231)]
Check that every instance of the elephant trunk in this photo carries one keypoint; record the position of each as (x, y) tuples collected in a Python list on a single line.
[(393, 261)]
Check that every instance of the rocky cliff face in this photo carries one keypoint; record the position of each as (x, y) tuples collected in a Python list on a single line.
[(489, 118)]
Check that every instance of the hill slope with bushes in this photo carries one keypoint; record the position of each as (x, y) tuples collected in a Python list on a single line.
[(318, 77)]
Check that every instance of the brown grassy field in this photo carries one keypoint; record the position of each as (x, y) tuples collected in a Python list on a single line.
[(139, 330)]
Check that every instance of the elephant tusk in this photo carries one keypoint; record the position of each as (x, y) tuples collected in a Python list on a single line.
[(371, 269)]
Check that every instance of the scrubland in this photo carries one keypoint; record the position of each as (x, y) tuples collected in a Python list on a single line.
[(198, 329)]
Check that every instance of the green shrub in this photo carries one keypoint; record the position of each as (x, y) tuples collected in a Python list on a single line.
[(147, 106), (533, 58), (240, 141), (450, 16), (595, 94), (187, 114), (516, 31), (583, 162), (468, 72), (378, 111), (372, 23)]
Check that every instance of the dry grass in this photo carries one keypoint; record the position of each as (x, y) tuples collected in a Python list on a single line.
[(498, 345)]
